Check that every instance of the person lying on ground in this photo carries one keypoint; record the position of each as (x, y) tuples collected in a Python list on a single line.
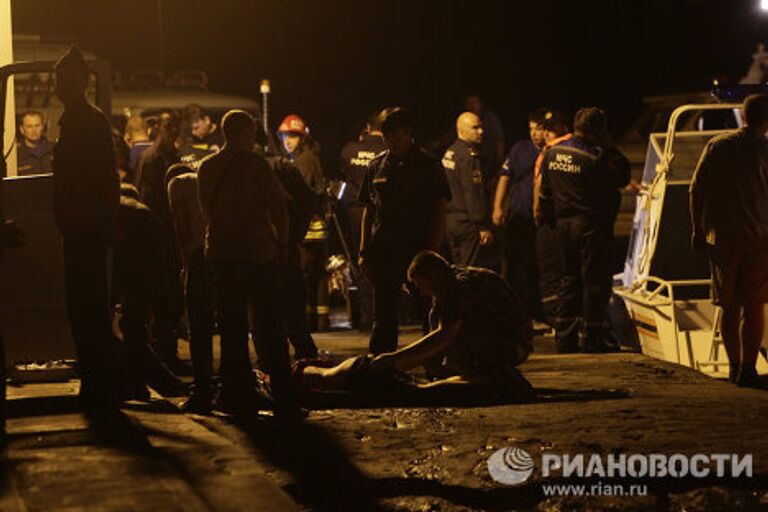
[(478, 323)]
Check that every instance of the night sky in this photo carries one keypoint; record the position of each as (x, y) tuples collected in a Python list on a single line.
[(333, 62)]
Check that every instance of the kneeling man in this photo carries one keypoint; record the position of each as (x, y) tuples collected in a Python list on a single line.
[(478, 322)]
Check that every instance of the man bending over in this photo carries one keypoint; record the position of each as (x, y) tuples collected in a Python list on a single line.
[(478, 322)]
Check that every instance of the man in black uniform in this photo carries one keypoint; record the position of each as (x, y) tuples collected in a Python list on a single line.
[(581, 178), (469, 232), (86, 195), (405, 195), (205, 136), (355, 158)]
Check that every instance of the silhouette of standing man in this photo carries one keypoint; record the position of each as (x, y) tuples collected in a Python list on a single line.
[(86, 196)]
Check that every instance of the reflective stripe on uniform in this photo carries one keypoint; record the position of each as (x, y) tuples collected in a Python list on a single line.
[(317, 230)]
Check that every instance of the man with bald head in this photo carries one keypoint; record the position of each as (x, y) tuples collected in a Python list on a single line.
[(469, 222), (247, 228)]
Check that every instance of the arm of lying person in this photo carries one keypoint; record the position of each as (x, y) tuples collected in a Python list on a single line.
[(421, 351)]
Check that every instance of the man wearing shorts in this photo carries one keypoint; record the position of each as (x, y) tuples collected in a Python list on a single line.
[(729, 214)]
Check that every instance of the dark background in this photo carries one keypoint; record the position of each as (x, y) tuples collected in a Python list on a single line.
[(333, 62)]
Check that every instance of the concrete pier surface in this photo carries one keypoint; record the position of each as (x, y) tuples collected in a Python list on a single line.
[(397, 457)]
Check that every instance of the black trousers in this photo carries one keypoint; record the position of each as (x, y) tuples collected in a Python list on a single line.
[(550, 267), (86, 291), (294, 297), (364, 285), (388, 273), (166, 338), (312, 258), (238, 284), (200, 295), (519, 265), (586, 279), (464, 242), (145, 305)]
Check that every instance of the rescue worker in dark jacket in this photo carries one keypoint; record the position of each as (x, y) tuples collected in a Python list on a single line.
[(356, 156), (405, 195), (469, 222), (549, 261), (86, 195), (205, 137), (581, 179), (294, 135)]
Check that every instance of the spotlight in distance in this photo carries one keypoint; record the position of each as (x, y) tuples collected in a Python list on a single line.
[(265, 86), (764, 5)]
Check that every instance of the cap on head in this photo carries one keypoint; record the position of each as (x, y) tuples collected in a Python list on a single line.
[(395, 118), (375, 120), (552, 120), (293, 124), (72, 64), (539, 115)]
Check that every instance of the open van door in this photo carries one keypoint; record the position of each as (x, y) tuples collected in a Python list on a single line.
[(32, 307)]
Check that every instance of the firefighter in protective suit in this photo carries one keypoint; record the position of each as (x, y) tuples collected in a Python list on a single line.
[(469, 220), (294, 135), (579, 193)]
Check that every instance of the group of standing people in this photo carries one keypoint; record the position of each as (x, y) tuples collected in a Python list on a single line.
[(245, 227), (549, 210), (225, 224)]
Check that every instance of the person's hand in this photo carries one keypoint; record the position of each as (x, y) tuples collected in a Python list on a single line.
[(486, 238), (634, 187), (698, 242), (498, 217)]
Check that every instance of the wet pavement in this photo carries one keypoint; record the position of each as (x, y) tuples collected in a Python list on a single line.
[(393, 457)]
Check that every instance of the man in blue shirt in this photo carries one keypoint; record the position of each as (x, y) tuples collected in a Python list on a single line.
[(513, 209)]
